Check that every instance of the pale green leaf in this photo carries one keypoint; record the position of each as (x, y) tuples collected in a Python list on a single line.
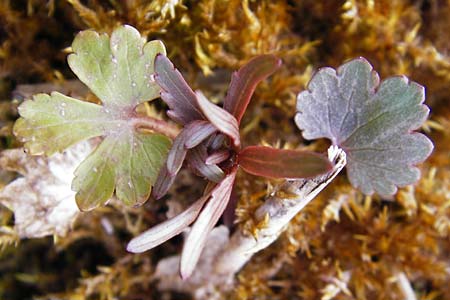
[(128, 162), (53, 123), (119, 70)]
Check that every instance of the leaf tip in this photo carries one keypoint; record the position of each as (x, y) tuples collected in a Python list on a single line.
[(134, 246)]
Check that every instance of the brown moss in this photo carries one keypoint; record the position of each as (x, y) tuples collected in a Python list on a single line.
[(342, 244)]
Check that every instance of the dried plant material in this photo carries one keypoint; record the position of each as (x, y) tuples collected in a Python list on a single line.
[(8, 237), (70, 87), (149, 17), (336, 285), (42, 200), (201, 284), (30, 41), (119, 71), (372, 122)]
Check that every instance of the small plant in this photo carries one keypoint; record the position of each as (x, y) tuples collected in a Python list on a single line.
[(371, 122), (210, 143)]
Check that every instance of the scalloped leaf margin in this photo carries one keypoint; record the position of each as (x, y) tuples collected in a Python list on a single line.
[(372, 122)]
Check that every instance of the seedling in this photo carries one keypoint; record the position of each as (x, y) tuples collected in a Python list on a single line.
[(211, 145), (372, 122)]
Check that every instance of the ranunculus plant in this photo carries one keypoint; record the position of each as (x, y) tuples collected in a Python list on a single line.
[(210, 144), (372, 122)]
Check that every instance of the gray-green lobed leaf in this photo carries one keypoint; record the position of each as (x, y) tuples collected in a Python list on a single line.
[(119, 70), (373, 122)]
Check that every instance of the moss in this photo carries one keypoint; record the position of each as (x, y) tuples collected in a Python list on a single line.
[(339, 233)]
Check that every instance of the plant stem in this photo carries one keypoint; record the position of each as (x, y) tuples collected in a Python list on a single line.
[(156, 125)]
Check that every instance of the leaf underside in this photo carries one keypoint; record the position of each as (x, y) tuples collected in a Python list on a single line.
[(371, 121), (119, 70), (205, 222), (176, 93), (167, 229)]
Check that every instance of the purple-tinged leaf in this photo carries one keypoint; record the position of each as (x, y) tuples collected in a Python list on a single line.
[(174, 116), (176, 92), (205, 222), (244, 82), (217, 157), (163, 182), (177, 154), (220, 118), (281, 163), (216, 142), (197, 132), (167, 229), (371, 122), (192, 135), (197, 158)]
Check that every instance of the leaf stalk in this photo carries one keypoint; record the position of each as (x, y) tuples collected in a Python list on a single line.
[(156, 125)]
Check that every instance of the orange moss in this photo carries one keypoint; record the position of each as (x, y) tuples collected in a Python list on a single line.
[(342, 244)]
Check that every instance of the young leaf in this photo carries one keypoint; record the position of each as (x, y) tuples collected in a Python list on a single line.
[(217, 157), (244, 82), (176, 92), (191, 136), (197, 158), (372, 122), (205, 222), (119, 71), (163, 182), (282, 163), (220, 118), (166, 230)]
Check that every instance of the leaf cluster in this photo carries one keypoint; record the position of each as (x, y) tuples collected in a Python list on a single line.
[(211, 145), (372, 122)]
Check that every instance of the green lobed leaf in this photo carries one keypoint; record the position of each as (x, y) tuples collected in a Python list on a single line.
[(119, 70), (128, 162), (372, 122), (52, 123)]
